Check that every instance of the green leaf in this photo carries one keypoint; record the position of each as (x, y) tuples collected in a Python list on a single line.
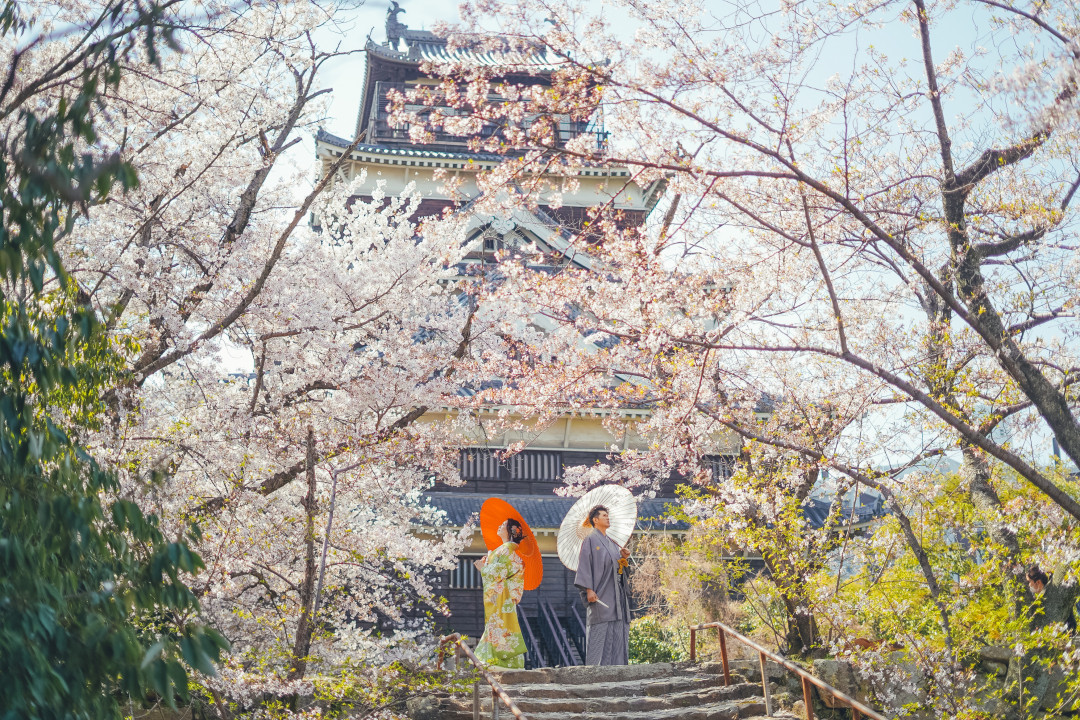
[(152, 653)]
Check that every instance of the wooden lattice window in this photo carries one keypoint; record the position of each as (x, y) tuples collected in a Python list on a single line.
[(537, 465), (465, 576)]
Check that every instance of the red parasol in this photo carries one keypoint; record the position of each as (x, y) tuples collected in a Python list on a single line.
[(494, 513)]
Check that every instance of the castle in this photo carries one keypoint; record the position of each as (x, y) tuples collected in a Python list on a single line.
[(552, 614)]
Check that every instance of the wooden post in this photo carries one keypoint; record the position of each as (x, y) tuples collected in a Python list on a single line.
[(476, 700), (723, 656), (808, 699), (765, 685), (495, 704), (693, 644), (855, 714)]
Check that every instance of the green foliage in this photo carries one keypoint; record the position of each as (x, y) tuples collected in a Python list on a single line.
[(92, 601), (769, 521), (982, 590), (864, 595), (651, 642), (357, 689)]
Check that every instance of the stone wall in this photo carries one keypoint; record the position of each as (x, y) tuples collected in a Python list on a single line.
[(901, 684)]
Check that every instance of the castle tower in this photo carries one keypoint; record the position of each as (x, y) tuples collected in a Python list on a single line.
[(527, 480)]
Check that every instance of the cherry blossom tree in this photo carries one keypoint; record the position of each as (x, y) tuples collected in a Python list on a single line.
[(292, 361), (84, 574), (870, 226)]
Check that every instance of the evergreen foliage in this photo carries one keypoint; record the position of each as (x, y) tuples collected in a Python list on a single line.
[(651, 642), (93, 606)]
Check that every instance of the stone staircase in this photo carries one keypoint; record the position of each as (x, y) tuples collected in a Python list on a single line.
[(663, 691)]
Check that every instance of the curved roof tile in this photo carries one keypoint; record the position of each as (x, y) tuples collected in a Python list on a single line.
[(546, 513), (418, 151), (434, 49)]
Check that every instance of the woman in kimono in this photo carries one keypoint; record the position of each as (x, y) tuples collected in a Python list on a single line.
[(602, 583), (503, 573)]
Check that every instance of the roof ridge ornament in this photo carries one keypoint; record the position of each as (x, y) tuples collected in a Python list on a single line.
[(395, 29), (502, 224)]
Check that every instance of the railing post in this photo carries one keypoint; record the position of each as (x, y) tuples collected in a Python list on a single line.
[(859, 711), (476, 700), (808, 699), (723, 656), (494, 704), (765, 686)]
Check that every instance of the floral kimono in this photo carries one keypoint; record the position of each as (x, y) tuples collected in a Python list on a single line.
[(504, 582)]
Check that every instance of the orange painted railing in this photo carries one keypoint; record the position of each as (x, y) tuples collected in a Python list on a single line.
[(858, 710)]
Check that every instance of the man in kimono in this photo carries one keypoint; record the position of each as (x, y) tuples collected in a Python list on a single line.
[(603, 585)]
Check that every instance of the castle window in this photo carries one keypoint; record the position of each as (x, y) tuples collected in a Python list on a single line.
[(721, 467), (465, 576), (536, 465), (484, 464)]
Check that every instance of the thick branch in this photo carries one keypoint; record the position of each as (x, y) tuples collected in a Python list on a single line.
[(221, 325), (282, 478), (302, 643), (966, 431)]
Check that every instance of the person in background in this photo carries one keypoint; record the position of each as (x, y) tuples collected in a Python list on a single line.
[(1038, 582), (503, 573), (603, 585), (1037, 579)]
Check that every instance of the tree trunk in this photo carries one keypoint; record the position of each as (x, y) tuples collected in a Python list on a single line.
[(1036, 667), (801, 636), (302, 644)]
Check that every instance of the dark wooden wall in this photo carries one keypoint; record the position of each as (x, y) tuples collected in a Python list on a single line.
[(507, 485), (467, 605), (485, 475)]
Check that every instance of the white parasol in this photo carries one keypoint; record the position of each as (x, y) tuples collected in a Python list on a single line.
[(622, 512)]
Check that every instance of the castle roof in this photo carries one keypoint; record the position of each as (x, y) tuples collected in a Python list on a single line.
[(404, 151), (416, 47), (400, 58), (547, 512)]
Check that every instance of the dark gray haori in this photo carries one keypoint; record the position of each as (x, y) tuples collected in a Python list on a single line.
[(607, 629)]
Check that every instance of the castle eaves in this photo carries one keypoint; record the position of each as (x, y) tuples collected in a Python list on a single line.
[(436, 50)]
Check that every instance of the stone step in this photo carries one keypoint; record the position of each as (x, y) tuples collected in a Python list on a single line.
[(732, 710), (614, 704), (663, 691), (712, 711), (628, 688), (588, 674)]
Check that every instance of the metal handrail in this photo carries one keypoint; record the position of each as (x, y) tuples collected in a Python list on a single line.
[(560, 632), (579, 632), (563, 635), (858, 710), (551, 623), (531, 642), (497, 692)]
